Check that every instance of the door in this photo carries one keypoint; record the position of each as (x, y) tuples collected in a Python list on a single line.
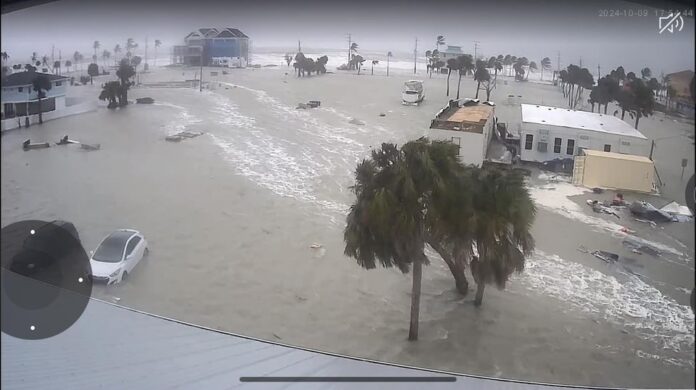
[(132, 255), (578, 170)]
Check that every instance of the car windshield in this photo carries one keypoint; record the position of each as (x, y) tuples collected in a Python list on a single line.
[(110, 250)]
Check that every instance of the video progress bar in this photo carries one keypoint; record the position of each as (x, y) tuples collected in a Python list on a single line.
[(345, 379)]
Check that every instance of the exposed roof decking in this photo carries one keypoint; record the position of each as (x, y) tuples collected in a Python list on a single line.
[(468, 118), (581, 120)]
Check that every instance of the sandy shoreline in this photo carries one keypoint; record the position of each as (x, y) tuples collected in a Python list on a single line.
[(230, 217)]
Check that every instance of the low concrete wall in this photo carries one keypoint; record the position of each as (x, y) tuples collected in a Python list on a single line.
[(13, 123)]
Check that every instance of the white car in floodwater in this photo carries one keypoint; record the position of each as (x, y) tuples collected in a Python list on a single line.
[(412, 93), (117, 256)]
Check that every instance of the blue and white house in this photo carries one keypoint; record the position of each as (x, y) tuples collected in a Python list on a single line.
[(226, 47), (19, 98)]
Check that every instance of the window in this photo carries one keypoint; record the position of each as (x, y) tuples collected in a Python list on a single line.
[(557, 145), (59, 83), (542, 147), (457, 141), (20, 89), (570, 148), (528, 141), (607, 148), (131, 245)]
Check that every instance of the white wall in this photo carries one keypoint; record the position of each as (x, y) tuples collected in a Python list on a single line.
[(583, 138), (472, 145), (12, 94), (9, 124)]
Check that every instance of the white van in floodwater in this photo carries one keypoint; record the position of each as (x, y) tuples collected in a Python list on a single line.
[(412, 93)]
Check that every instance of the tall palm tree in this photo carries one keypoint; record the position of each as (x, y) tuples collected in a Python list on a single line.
[(96, 45), (34, 57), (504, 213), (465, 63), (56, 67), (5, 56), (372, 69), (130, 45), (439, 42), (41, 84), (124, 73), (451, 65), (44, 60), (68, 64), (389, 55), (158, 43), (646, 73), (105, 56), (532, 66), (545, 65), (117, 50), (507, 60)]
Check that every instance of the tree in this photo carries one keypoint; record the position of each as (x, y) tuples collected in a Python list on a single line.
[(439, 42), (646, 73), (41, 84), (110, 91), (518, 66), (372, 69), (117, 50), (4, 56), (433, 60), (358, 61), (353, 52), (545, 65), (96, 45), (124, 73), (158, 43), (68, 64), (130, 45), (135, 61), (44, 61), (77, 57), (671, 94), (389, 55), (56, 65), (507, 60), (288, 58), (105, 56), (603, 93), (481, 76), (29, 68), (299, 64), (504, 213), (465, 63), (532, 66), (642, 102), (92, 70), (452, 64), (34, 57)]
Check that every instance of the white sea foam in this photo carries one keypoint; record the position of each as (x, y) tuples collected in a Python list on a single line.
[(181, 122), (631, 302)]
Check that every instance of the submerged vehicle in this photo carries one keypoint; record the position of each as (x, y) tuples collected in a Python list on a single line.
[(412, 94)]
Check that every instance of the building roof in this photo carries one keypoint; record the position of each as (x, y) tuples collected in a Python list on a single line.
[(617, 156), (115, 347), (682, 74), (236, 32), (26, 78), (466, 115), (581, 120), (453, 50)]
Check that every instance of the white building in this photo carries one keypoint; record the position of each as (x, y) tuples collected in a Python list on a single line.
[(451, 52), (19, 98), (469, 125), (549, 133)]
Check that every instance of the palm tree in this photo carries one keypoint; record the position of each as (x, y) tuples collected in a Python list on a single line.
[(519, 65), (117, 50), (124, 73), (34, 57), (130, 45), (96, 45), (532, 66), (451, 65), (76, 58), (158, 43), (504, 213), (671, 94), (389, 55), (56, 67), (439, 41), (5, 56), (105, 56), (545, 64), (41, 85), (481, 75), (110, 91), (44, 61), (507, 60), (465, 63), (68, 64), (434, 61), (92, 70), (646, 73), (372, 69), (643, 100), (353, 52)]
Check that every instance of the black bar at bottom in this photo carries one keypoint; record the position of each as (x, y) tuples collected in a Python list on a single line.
[(348, 379)]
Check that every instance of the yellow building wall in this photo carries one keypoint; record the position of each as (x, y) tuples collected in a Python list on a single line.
[(618, 174)]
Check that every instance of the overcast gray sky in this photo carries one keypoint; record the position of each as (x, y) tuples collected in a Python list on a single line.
[(530, 28)]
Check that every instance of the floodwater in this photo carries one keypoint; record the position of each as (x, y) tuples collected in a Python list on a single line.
[(230, 217)]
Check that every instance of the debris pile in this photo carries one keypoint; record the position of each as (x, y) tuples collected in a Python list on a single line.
[(182, 135)]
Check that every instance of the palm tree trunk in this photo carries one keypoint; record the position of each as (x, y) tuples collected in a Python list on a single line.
[(592, 109), (623, 112), (456, 268), (459, 83), (478, 86), (479, 294), (637, 119), (448, 79), (605, 108), (415, 299), (387, 66)]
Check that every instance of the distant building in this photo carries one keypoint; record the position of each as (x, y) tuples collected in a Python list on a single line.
[(451, 52), (549, 133), (467, 124), (226, 47), (19, 98), (681, 81)]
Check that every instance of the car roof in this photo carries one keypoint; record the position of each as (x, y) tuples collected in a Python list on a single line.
[(121, 236)]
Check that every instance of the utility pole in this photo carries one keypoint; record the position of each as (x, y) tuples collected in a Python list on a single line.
[(475, 50), (200, 79), (146, 65), (299, 46), (581, 62), (598, 74), (558, 62), (415, 56)]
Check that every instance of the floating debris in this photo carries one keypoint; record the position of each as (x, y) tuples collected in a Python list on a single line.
[(27, 145), (315, 246), (356, 122), (66, 141), (90, 147), (145, 100)]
